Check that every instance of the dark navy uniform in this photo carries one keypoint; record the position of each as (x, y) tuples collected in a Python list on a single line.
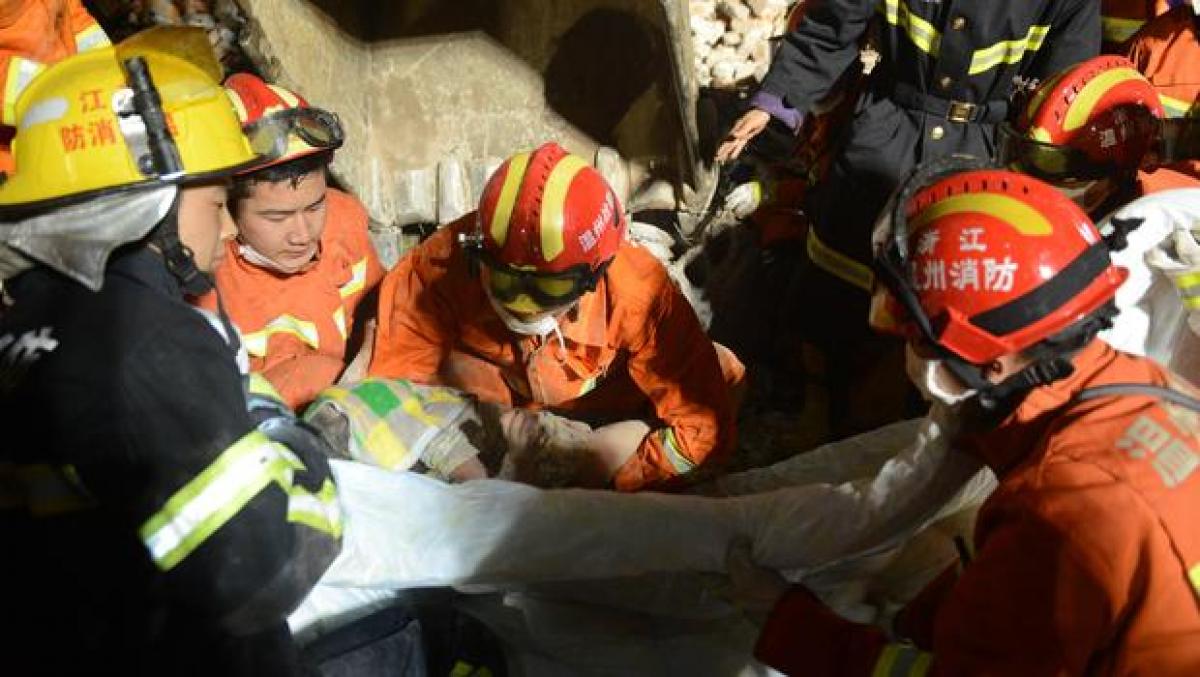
[(150, 526), (946, 75)]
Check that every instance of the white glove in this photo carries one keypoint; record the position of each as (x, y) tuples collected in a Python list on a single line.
[(745, 199)]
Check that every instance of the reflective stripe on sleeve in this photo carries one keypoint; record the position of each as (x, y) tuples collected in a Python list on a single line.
[(319, 511), (1007, 51), (838, 264), (358, 280), (682, 464), (902, 660), (1117, 30), (1176, 108), (257, 342), (1194, 578), (1189, 289), (91, 37), (21, 72), (214, 496)]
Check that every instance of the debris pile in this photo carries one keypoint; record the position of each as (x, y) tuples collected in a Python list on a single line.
[(732, 39)]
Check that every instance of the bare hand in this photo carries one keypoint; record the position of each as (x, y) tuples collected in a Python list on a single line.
[(746, 128), (612, 446), (357, 369)]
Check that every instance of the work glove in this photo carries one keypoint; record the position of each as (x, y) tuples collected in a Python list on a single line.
[(745, 199), (1178, 257)]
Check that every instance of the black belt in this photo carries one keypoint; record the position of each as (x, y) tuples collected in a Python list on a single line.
[(988, 112)]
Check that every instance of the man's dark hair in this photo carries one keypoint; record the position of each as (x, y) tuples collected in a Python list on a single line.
[(291, 171)]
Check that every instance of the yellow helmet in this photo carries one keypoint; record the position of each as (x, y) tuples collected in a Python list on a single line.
[(92, 124)]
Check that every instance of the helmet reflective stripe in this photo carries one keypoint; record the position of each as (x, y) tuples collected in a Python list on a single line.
[(290, 100), (553, 203), (239, 106), (214, 496), (1081, 108), (1021, 216), (508, 197)]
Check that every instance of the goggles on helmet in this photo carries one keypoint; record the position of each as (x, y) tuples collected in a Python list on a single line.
[(319, 129), (548, 290), (1134, 135)]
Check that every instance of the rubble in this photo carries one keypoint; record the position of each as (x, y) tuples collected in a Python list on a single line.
[(732, 39)]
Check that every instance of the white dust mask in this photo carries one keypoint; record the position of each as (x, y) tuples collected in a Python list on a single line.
[(934, 380)]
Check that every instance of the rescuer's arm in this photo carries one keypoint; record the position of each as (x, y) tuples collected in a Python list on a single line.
[(1074, 37), (413, 333)]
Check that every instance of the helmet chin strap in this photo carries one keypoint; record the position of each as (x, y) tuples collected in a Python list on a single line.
[(178, 256), (1004, 396)]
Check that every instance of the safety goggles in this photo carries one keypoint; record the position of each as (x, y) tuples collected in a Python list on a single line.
[(271, 136), (547, 290), (1135, 133)]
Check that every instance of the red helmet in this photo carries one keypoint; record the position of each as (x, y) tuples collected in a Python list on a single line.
[(549, 225), (988, 262), (282, 118), (1094, 120)]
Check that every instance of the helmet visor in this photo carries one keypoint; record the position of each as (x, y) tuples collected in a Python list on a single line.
[(1046, 161), (547, 290), (271, 136)]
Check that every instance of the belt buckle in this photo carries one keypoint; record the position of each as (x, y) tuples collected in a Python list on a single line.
[(961, 111)]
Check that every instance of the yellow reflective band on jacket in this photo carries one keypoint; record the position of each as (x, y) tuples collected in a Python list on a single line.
[(358, 280), (1189, 289), (339, 321), (1194, 578), (902, 660), (213, 497), (21, 72), (257, 342), (1177, 108), (320, 511), (1117, 30), (1007, 51), (42, 489), (91, 37), (919, 31), (257, 384), (682, 464), (838, 264)]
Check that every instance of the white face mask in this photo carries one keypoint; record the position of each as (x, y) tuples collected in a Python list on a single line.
[(253, 256), (934, 380), (540, 326)]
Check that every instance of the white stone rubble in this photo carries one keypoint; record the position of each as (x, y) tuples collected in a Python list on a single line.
[(732, 39)]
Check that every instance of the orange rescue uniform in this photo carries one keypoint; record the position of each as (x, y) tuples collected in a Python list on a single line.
[(1120, 19), (633, 349), (1087, 556), (33, 35), (295, 326), (1167, 52)]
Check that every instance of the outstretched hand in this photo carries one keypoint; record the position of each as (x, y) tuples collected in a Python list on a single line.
[(744, 130)]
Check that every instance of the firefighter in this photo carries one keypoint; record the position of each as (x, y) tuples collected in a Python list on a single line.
[(945, 77), (1088, 131), (157, 520), (538, 301), (1166, 51), (1085, 556), (33, 35), (296, 275)]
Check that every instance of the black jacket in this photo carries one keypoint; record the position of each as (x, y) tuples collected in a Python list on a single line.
[(934, 52), (159, 531)]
